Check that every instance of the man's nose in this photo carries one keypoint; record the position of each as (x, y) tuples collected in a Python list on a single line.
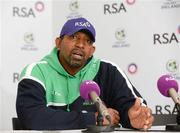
[(80, 42)]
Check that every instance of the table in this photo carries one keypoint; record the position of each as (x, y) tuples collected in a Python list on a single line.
[(153, 129)]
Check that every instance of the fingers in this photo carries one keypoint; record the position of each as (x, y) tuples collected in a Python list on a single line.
[(149, 120), (115, 118), (148, 124)]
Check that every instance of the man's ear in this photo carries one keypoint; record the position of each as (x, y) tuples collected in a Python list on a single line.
[(58, 42), (93, 48)]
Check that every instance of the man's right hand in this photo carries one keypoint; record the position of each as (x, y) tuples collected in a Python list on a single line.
[(115, 118)]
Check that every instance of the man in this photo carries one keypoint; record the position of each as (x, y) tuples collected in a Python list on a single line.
[(48, 95)]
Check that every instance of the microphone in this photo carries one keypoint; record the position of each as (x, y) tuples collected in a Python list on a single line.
[(89, 90), (168, 87)]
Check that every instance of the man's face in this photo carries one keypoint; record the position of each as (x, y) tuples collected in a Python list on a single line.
[(75, 50)]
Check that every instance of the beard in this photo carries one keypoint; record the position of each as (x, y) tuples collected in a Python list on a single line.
[(76, 63), (77, 58)]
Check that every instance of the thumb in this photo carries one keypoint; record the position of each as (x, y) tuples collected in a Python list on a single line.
[(135, 110), (137, 104)]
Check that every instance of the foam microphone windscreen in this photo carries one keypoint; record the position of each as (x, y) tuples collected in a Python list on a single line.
[(86, 87), (166, 82)]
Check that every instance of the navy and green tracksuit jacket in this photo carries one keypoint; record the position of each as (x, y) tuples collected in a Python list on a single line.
[(48, 98)]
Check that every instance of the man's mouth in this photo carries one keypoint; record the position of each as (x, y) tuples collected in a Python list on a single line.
[(77, 55)]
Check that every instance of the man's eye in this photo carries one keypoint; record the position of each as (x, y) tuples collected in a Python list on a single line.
[(89, 42), (73, 36)]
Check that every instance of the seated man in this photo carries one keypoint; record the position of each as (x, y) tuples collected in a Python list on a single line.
[(48, 95)]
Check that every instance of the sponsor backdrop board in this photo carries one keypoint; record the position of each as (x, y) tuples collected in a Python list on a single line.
[(141, 36), (27, 36), (0, 63)]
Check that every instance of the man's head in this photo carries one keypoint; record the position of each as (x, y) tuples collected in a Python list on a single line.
[(74, 25), (75, 44)]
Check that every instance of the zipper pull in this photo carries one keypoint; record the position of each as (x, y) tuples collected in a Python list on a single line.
[(68, 110)]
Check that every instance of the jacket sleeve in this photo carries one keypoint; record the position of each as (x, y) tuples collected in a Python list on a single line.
[(123, 96), (116, 91), (34, 114)]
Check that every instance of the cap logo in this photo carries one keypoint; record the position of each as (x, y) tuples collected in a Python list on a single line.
[(82, 24), (78, 24)]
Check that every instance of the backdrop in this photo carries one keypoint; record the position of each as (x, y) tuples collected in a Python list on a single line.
[(141, 36)]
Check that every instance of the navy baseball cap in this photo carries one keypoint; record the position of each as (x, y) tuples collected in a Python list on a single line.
[(77, 24)]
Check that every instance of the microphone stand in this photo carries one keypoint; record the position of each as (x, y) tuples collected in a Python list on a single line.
[(178, 115), (99, 120), (99, 127), (175, 127)]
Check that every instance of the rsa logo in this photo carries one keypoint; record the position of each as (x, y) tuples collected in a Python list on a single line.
[(114, 8), (165, 38), (23, 12), (26, 12)]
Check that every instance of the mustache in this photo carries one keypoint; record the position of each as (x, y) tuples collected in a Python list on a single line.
[(78, 51)]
